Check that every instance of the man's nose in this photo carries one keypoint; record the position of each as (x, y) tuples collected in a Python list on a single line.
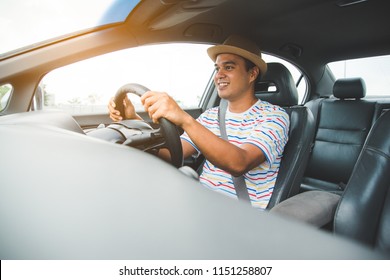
[(220, 73)]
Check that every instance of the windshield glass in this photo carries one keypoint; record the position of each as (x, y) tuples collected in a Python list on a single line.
[(26, 23), (85, 87)]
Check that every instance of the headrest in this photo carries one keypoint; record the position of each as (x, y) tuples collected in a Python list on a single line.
[(349, 88), (277, 86)]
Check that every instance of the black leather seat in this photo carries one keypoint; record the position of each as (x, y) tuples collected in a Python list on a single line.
[(277, 87), (363, 211), (342, 125)]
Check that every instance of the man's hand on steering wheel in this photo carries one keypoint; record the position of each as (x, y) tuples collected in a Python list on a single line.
[(161, 105), (129, 110), (120, 107)]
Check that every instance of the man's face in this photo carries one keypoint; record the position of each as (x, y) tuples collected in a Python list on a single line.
[(232, 79)]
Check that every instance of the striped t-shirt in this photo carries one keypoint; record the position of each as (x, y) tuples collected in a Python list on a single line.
[(263, 125)]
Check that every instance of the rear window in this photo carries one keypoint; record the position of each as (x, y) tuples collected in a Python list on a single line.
[(375, 71)]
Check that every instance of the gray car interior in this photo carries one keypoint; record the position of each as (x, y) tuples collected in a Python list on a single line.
[(107, 205), (103, 200)]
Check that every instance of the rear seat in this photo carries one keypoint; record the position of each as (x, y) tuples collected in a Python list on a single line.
[(342, 125)]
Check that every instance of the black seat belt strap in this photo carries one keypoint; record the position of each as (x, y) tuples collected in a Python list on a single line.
[(239, 182)]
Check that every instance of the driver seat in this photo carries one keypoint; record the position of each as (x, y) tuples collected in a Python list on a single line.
[(277, 86)]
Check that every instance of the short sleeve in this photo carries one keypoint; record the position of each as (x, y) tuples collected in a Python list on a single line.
[(270, 134)]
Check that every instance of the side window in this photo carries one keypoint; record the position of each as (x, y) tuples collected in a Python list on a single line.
[(5, 95), (85, 87), (375, 71)]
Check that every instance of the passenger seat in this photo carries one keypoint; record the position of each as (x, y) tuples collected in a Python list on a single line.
[(342, 126)]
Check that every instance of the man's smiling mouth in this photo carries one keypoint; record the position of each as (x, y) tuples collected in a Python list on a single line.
[(223, 84)]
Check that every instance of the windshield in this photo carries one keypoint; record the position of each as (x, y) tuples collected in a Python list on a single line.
[(25, 23)]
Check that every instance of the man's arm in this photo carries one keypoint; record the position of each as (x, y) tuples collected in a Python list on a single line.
[(227, 156), (188, 150)]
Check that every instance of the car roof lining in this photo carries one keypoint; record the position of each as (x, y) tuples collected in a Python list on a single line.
[(280, 25)]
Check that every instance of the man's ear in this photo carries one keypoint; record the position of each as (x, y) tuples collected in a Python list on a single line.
[(254, 72)]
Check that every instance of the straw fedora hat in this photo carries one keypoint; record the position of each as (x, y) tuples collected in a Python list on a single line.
[(238, 45)]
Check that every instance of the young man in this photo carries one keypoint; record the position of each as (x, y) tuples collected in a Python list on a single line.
[(257, 131)]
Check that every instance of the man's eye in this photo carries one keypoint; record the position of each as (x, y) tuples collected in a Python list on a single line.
[(229, 67)]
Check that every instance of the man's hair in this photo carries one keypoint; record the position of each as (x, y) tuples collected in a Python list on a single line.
[(249, 65)]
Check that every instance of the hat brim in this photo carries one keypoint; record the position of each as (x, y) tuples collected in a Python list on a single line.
[(214, 51)]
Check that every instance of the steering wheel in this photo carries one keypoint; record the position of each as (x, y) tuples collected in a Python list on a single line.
[(170, 135)]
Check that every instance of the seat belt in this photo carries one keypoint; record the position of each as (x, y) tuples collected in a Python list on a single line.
[(239, 182)]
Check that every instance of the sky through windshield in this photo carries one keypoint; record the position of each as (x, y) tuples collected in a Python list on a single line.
[(29, 22)]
